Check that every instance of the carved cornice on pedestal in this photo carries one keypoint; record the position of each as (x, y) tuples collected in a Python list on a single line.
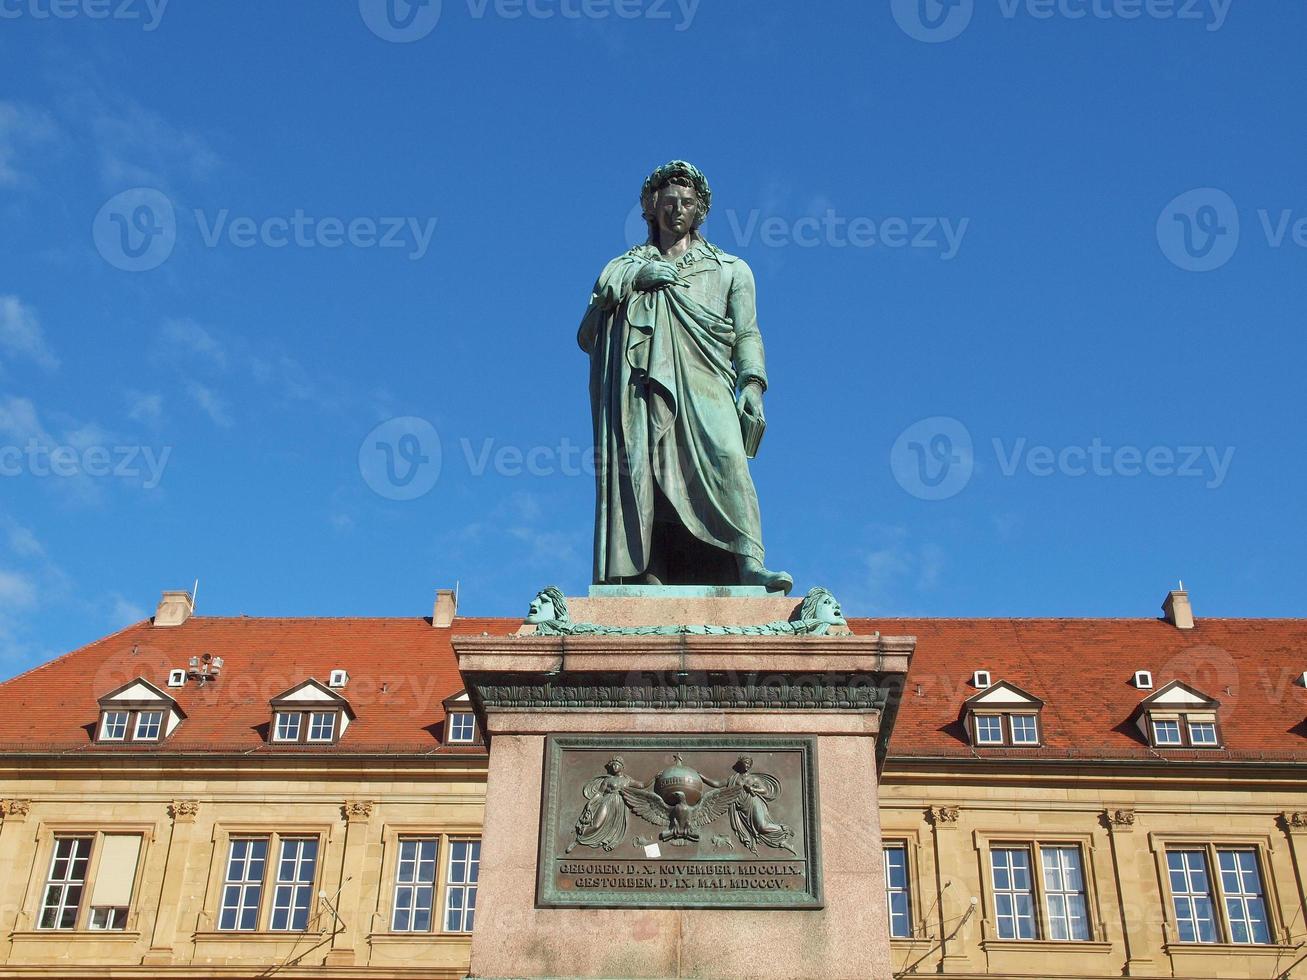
[(944, 816), (184, 811), (357, 810), (1295, 821), (1120, 820)]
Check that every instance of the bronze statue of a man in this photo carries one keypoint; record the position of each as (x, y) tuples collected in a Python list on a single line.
[(676, 365)]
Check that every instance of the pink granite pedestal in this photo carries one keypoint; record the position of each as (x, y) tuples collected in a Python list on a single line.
[(847, 938)]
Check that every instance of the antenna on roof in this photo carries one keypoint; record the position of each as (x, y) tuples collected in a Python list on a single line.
[(195, 594), (1181, 585)]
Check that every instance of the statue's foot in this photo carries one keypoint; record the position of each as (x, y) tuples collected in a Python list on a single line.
[(649, 578), (752, 572)]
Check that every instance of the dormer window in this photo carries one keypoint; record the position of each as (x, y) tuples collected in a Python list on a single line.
[(137, 712), (462, 727), (1179, 717), (309, 714), (460, 721), (1003, 716)]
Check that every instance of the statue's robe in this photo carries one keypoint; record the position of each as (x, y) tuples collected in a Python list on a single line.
[(664, 368)]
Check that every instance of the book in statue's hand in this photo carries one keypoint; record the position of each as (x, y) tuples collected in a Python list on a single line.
[(751, 428)]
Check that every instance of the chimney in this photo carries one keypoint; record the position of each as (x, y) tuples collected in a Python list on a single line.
[(446, 607), (1176, 609), (174, 609)]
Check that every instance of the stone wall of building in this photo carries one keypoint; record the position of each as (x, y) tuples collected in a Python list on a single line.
[(186, 817)]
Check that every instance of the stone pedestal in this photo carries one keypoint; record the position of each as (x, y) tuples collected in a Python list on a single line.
[(734, 690)]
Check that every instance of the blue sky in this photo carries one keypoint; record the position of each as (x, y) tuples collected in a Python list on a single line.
[(1031, 280)]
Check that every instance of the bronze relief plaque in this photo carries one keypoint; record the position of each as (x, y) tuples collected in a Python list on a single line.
[(679, 822)]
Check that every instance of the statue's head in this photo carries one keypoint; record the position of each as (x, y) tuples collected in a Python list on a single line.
[(548, 606), (744, 763), (675, 197), (615, 765), (823, 607)]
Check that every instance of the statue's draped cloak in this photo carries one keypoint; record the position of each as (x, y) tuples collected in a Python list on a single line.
[(663, 372)]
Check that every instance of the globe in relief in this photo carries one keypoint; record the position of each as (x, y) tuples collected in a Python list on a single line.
[(679, 778)]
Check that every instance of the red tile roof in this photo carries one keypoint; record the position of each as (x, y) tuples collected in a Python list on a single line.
[(1083, 670), (402, 669)]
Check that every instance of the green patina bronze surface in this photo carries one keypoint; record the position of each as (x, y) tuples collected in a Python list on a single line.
[(680, 822), (819, 612), (677, 376)]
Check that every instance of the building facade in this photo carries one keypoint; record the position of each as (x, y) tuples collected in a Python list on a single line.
[(202, 796)]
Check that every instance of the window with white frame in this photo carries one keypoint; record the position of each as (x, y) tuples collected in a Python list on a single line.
[(242, 889), (1064, 892), (249, 880), (321, 727), (415, 884), (1046, 902), (149, 726), (461, 884), (72, 900), (132, 725), (1231, 908), (989, 729), (1197, 730), (1007, 728), (287, 725), (65, 883), (462, 727), (113, 726), (1014, 893), (1025, 729), (897, 898), (293, 896), (435, 882), (1166, 731)]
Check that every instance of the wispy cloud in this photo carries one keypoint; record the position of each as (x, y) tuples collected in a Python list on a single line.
[(21, 128), (898, 569), (21, 334), (210, 403), (144, 407), (21, 423), (134, 145), (123, 612), (185, 340), (17, 592)]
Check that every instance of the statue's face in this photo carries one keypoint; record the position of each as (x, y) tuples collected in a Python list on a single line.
[(828, 611), (542, 610), (676, 209), (615, 767)]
